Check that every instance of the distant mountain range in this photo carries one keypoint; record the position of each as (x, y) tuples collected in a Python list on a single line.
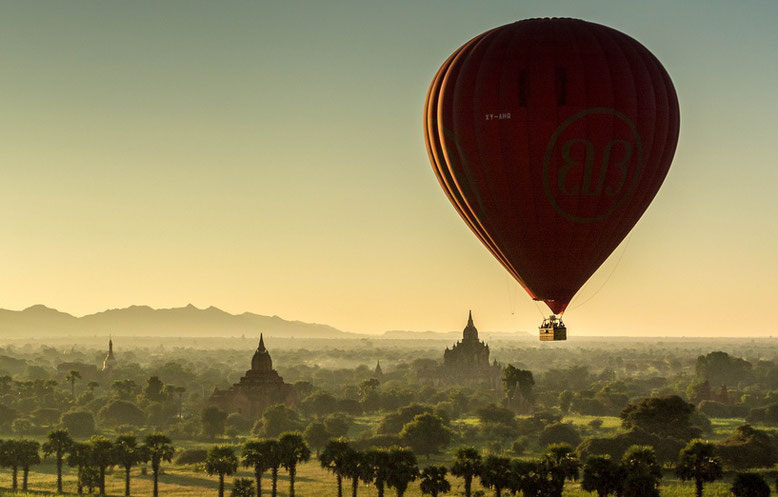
[(189, 321), (40, 321)]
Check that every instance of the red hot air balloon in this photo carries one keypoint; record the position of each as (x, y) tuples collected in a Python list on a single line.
[(551, 137)]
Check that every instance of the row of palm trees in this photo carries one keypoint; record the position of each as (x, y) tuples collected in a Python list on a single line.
[(91, 459)]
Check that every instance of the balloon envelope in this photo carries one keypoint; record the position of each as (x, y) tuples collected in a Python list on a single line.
[(551, 137)]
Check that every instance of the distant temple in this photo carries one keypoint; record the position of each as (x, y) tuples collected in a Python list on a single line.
[(378, 373), (110, 361), (260, 388), (467, 362)]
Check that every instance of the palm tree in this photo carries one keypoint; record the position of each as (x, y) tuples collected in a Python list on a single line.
[(467, 465), (78, 457), (750, 485), (127, 454), (91, 386), (221, 460), (272, 452), (376, 469), (71, 377), (333, 458), (433, 480), (158, 448), (642, 473), (601, 475), (402, 470), (28, 455), (11, 456), (256, 455), (356, 468), (495, 473), (58, 442), (561, 464), (102, 453), (292, 449), (698, 462)]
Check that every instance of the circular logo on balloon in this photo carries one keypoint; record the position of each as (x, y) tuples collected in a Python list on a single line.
[(592, 165)]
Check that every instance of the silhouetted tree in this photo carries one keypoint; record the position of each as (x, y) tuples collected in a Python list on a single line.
[(257, 455), (749, 485), (467, 465), (159, 448), (699, 462), (316, 435), (28, 455), (601, 475), (221, 460), (293, 450), (58, 443), (433, 481), (402, 470), (127, 453), (495, 473), (79, 458), (426, 434), (72, 377), (334, 457), (102, 456), (642, 473)]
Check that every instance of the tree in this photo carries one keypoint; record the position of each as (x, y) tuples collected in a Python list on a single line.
[(25, 454), (316, 435), (721, 368), (221, 460), (433, 480), (159, 448), (212, 419), (467, 465), (124, 388), (154, 389), (376, 469), (102, 456), (338, 423), (9, 457), (517, 380), (91, 386), (495, 473), (602, 475), (127, 453), (292, 450), (356, 468), (242, 487), (72, 377), (668, 416), (560, 464), (58, 442), (78, 423), (749, 485), (334, 458), (121, 412), (79, 457), (402, 470), (559, 433), (699, 462), (278, 419), (426, 434), (259, 456), (642, 473)]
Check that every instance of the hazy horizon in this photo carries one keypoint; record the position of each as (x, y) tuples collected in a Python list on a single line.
[(270, 159)]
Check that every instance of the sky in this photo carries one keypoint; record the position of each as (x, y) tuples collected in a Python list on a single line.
[(269, 157)]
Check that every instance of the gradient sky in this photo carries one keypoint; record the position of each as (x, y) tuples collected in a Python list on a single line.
[(269, 157)]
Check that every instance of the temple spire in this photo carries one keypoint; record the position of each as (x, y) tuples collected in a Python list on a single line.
[(261, 346), (470, 318)]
